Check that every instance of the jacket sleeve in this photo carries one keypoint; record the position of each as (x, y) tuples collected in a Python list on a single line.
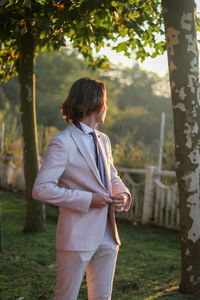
[(46, 186), (118, 187)]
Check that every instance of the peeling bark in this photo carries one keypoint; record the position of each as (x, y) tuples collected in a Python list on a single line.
[(184, 77), (35, 216)]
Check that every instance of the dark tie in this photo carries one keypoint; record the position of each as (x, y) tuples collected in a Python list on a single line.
[(93, 134), (99, 163)]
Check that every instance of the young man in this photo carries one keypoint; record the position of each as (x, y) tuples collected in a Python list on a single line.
[(78, 176)]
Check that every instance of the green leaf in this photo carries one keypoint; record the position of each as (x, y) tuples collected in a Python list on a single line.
[(11, 2), (133, 44), (121, 47)]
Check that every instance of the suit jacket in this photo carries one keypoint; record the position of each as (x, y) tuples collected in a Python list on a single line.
[(67, 178)]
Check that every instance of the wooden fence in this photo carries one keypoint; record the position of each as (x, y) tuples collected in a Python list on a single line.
[(166, 211), (154, 202)]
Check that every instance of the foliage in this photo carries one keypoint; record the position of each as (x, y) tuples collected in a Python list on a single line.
[(134, 124), (132, 156), (9, 116), (45, 133), (128, 155), (168, 159), (133, 118), (148, 262), (139, 107), (88, 25), (3, 99), (169, 162)]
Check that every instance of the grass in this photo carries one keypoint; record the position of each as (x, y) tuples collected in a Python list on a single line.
[(148, 263)]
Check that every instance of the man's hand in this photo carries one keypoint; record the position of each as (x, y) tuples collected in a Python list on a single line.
[(99, 200), (119, 201)]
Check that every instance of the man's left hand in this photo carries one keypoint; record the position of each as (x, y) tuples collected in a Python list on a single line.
[(119, 201)]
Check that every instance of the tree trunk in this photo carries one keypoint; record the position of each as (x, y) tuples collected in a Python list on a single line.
[(35, 213), (184, 80)]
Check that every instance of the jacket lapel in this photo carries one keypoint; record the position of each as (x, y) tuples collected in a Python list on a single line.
[(77, 136)]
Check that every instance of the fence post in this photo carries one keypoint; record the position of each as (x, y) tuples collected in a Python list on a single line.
[(148, 195)]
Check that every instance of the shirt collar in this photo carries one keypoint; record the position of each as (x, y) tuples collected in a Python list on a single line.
[(87, 129)]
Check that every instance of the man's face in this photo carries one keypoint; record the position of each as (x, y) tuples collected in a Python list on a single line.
[(100, 117)]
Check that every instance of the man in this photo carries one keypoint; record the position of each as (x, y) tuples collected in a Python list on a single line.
[(78, 176)]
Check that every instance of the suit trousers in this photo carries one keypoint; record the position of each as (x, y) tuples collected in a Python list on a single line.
[(99, 266)]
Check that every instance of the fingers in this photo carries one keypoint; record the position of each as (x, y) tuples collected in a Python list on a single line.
[(118, 201), (99, 200), (117, 197), (105, 200), (118, 204), (108, 200)]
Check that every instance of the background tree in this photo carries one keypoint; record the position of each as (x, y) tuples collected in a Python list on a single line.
[(184, 80), (28, 26)]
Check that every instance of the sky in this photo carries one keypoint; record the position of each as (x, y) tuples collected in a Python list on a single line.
[(158, 64)]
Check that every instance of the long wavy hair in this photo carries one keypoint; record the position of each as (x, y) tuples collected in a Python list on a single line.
[(85, 97)]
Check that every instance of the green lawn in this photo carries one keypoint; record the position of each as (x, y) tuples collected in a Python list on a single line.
[(148, 263)]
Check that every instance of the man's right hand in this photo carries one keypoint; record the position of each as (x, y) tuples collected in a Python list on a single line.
[(99, 200)]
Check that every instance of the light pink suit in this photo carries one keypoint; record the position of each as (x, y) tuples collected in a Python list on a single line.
[(67, 178)]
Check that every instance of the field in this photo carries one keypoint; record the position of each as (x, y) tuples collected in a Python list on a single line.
[(148, 263)]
